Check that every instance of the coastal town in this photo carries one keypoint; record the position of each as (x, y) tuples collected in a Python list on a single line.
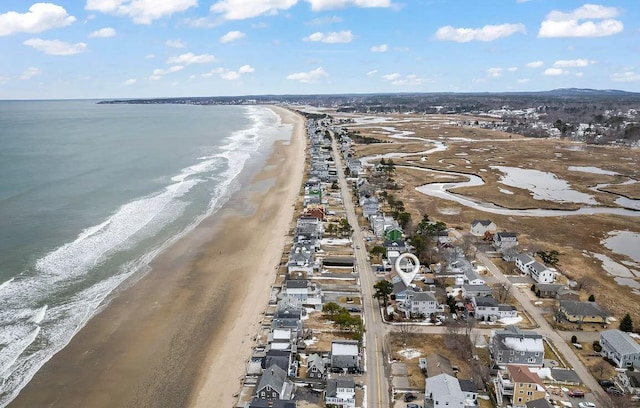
[(483, 323)]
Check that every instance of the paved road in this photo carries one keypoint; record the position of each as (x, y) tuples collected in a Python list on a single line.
[(547, 331), (375, 377)]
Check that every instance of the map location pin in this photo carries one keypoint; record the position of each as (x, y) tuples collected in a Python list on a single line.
[(407, 266)]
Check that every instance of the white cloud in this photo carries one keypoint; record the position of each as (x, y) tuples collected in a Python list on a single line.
[(149, 56), (310, 76), (175, 44), (103, 33), (628, 76), (317, 5), (140, 11), (159, 72), (56, 47), (398, 79), (190, 58), (535, 64), (494, 72), (598, 21), (325, 21), (572, 63), (379, 48), (242, 9), (555, 71), (230, 75), (486, 33), (523, 80), (372, 73), (4, 80), (232, 36), (246, 69), (39, 18), (512, 69), (130, 82), (30, 73), (332, 38)]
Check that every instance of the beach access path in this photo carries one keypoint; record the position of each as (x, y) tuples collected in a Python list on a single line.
[(182, 334)]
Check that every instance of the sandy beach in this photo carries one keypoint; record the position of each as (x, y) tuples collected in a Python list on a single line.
[(182, 334)]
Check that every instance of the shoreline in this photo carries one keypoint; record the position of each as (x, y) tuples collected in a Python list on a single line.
[(194, 315)]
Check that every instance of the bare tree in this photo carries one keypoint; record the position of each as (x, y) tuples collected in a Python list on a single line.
[(468, 247), (503, 291), (406, 330)]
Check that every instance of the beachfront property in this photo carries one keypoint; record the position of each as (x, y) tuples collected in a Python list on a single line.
[(273, 385), (582, 312), (514, 346), (260, 403), (317, 366), (481, 227), (345, 354), (504, 240), (341, 392), (620, 348), (488, 309), (518, 385)]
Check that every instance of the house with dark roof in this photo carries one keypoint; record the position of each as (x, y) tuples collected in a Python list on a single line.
[(345, 354), (438, 364), (540, 273), (630, 381), (539, 403), (515, 346), (547, 290), (341, 392), (504, 240), (523, 260), (487, 308), (470, 391), (480, 227), (582, 312), (274, 385), (620, 348), (519, 385), (471, 291), (260, 403)]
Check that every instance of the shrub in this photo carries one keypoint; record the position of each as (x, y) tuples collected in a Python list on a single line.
[(574, 339)]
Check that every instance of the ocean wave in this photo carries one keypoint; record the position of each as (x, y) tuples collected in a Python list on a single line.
[(41, 310)]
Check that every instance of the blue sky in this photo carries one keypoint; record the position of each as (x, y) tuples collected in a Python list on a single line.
[(156, 48)]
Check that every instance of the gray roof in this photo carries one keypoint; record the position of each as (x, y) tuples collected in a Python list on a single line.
[(468, 386), (274, 377), (315, 360), (476, 288), (438, 364), (525, 258), (538, 267), (421, 296), (505, 307), (548, 287), (486, 301), (634, 378), (444, 385), (563, 374), (263, 403), (471, 274), (576, 308), (539, 403), (621, 341), (296, 283), (481, 222), (399, 287), (507, 234), (342, 382)]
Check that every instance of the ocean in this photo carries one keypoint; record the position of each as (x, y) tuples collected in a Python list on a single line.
[(90, 193)]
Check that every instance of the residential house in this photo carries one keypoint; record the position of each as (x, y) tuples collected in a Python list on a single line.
[(382, 226), (316, 366), (437, 364), (471, 277), (539, 403), (620, 348), (288, 319), (341, 391), (260, 403), (582, 312), (315, 211), (300, 259), (471, 291), (355, 166), (487, 308), (519, 385), (309, 293), (514, 346), (541, 273), (547, 290), (630, 381), (281, 339), (399, 289), (273, 385), (504, 240), (469, 390), (345, 354), (480, 227), (282, 358), (443, 390), (523, 260), (421, 304), (370, 206)]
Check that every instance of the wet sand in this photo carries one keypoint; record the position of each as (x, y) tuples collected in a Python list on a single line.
[(182, 334)]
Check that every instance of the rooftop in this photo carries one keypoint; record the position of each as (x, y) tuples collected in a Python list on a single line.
[(621, 341)]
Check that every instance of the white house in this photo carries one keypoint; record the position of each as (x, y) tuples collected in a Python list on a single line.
[(443, 390), (541, 273), (504, 240), (341, 392), (471, 277), (620, 348), (481, 227), (421, 303), (522, 261), (630, 381), (488, 308), (344, 354)]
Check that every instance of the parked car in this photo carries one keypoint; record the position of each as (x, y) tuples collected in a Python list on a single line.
[(576, 393), (414, 406), (614, 390), (586, 405), (408, 397), (606, 383)]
